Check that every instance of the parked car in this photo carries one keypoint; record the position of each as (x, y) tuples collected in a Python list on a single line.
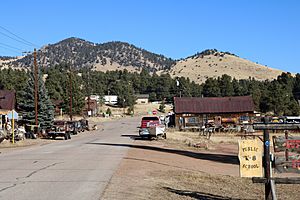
[(73, 127), (84, 124), (59, 129), (79, 126)]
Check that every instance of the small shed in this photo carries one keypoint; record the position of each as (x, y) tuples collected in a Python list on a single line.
[(142, 98), (192, 111), (90, 107)]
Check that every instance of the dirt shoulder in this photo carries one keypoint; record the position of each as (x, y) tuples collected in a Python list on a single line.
[(169, 169)]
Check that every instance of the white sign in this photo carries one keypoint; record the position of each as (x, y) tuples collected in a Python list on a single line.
[(12, 114)]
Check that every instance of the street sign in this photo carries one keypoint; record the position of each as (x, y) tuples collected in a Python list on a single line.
[(250, 156), (13, 115)]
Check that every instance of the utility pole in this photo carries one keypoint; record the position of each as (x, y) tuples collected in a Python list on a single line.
[(36, 88), (71, 97), (88, 87)]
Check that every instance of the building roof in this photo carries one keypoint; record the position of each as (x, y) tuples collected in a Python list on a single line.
[(214, 104), (142, 96), (7, 99)]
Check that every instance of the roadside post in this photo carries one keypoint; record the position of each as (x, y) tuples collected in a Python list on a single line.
[(13, 115), (280, 144), (266, 160), (13, 128)]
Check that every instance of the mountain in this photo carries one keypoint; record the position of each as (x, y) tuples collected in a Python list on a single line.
[(212, 63), (107, 56), (120, 55)]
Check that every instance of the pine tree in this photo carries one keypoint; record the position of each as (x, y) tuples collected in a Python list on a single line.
[(162, 106), (27, 106), (211, 88), (74, 86)]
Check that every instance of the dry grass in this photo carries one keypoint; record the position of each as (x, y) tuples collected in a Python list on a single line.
[(195, 140), (177, 184), (199, 69), (139, 109)]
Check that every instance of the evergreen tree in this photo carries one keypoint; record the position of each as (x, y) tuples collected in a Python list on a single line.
[(211, 88), (226, 86), (27, 104), (296, 88), (73, 87), (162, 106)]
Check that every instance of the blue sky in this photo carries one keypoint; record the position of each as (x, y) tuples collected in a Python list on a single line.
[(266, 32)]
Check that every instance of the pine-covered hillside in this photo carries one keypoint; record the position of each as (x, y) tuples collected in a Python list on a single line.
[(107, 56), (111, 56)]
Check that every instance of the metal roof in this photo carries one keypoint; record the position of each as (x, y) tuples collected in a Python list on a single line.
[(7, 99), (207, 105), (142, 96)]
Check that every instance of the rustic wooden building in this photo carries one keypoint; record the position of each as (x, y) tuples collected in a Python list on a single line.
[(7, 104), (142, 98), (92, 106), (195, 112)]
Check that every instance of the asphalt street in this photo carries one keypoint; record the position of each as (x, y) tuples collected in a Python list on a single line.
[(79, 168)]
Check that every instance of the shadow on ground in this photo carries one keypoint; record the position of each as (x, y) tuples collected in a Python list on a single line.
[(197, 195), (228, 159), (137, 137)]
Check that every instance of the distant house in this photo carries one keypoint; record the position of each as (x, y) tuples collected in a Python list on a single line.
[(7, 100), (191, 111), (94, 97), (7, 104), (110, 99), (142, 98), (92, 106)]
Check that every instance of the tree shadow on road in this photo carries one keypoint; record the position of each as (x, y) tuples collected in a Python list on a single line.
[(133, 137), (228, 159), (197, 195), (137, 137)]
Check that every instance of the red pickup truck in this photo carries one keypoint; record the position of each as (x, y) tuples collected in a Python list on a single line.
[(151, 127), (146, 121)]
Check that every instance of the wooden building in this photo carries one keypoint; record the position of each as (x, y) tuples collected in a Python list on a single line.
[(196, 112), (7, 104), (142, 98)]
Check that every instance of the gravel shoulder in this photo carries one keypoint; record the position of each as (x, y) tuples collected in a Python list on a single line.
[(169, 169)]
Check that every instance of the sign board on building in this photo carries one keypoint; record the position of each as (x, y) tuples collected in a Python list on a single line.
[(250, 156), (287, 154)]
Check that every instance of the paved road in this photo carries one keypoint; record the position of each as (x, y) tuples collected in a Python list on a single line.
[(74, 169)]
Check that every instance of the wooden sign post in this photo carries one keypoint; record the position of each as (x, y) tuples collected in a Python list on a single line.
[(284, 144), (250, 156)]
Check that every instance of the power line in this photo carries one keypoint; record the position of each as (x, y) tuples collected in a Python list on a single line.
[(20, 39), (9, 46), (9, 49)]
